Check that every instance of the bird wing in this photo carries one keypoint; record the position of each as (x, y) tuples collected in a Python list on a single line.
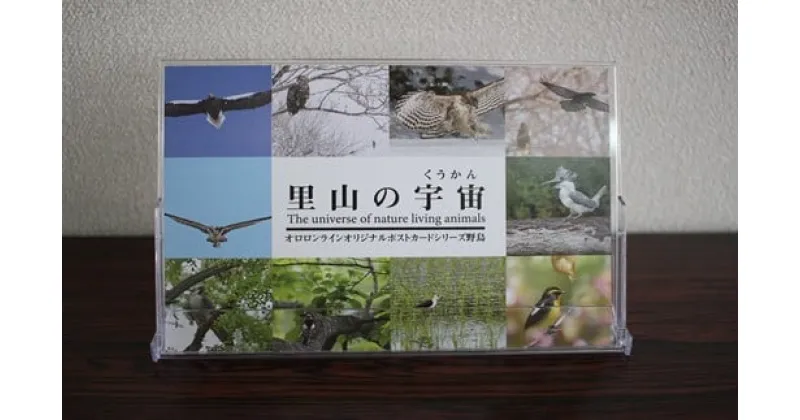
[(249, 100), (538, 313), (424, 304), (490, 96), (560, 90), (421, 111), (190, 223), (581, 198), (246, 223), (597, 104), (182, 108)]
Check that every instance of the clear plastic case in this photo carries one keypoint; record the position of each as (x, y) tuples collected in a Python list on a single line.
[(433, 208)]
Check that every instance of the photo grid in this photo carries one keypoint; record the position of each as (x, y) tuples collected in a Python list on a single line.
[(222, 125)]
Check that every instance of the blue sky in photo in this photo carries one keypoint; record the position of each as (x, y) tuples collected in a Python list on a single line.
[(243, 133), (218, 192)]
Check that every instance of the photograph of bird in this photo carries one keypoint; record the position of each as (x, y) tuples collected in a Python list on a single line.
[(308, 327), (576, 101), (435, 116), (523, 139), (198, 306), (547, 310), (214, 107), (268, 306), (564, 264), (575, 201), (216, 234), (428, 303), (297, 95)]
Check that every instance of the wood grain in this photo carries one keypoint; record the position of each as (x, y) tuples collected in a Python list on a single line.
[(682, 314)]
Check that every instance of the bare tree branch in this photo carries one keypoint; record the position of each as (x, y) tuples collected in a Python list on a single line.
[(331, 264)]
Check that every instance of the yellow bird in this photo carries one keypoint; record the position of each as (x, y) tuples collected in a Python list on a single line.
[(547, 310), (564, 264)]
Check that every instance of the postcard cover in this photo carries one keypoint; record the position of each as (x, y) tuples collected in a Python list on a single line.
[(386, 208)]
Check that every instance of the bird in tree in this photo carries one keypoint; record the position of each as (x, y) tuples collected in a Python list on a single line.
[(298, 94)]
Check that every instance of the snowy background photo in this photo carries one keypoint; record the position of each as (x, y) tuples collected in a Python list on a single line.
[(542, 122), (330, 111)]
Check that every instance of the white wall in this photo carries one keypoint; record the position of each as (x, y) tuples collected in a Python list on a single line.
[(677, 84)]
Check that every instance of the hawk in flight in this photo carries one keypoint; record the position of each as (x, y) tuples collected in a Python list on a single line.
[(216, 234), (436, 116), (576, 101), (213, 106)]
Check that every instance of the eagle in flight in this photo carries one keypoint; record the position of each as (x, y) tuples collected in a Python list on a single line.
[(216, 234), (214, 107), (436, 116)]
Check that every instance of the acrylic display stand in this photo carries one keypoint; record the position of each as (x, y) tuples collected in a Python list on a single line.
[(378, 207)]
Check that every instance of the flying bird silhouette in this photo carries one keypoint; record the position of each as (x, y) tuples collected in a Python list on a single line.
[(216, 234), (435, 116), (213, 106), (576, 101)]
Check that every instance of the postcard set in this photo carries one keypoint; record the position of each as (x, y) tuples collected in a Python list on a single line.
[(356, 207)]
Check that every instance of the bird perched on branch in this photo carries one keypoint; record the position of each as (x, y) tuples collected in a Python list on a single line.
[(433, 115), (213, 106), (576, 101), (309, 325), (297, 95), (428, 303), (547, 310), (198, 306), (216, 234)]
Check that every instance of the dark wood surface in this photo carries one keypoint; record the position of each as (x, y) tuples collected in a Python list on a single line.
[(682, 314)]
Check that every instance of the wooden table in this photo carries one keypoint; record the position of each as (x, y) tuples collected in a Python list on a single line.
[(682, 314)]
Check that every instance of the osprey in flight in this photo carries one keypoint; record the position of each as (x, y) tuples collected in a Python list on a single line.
[(576, 101), (213, 106), (216, 234), (435, 116)]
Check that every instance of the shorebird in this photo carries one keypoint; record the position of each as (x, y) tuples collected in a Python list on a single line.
[(216, 234), (428, 303), (576, 101), (547, 309), (213, 106)]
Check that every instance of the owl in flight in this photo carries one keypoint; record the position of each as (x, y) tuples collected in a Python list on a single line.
[(435, 116), (298, 95)]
